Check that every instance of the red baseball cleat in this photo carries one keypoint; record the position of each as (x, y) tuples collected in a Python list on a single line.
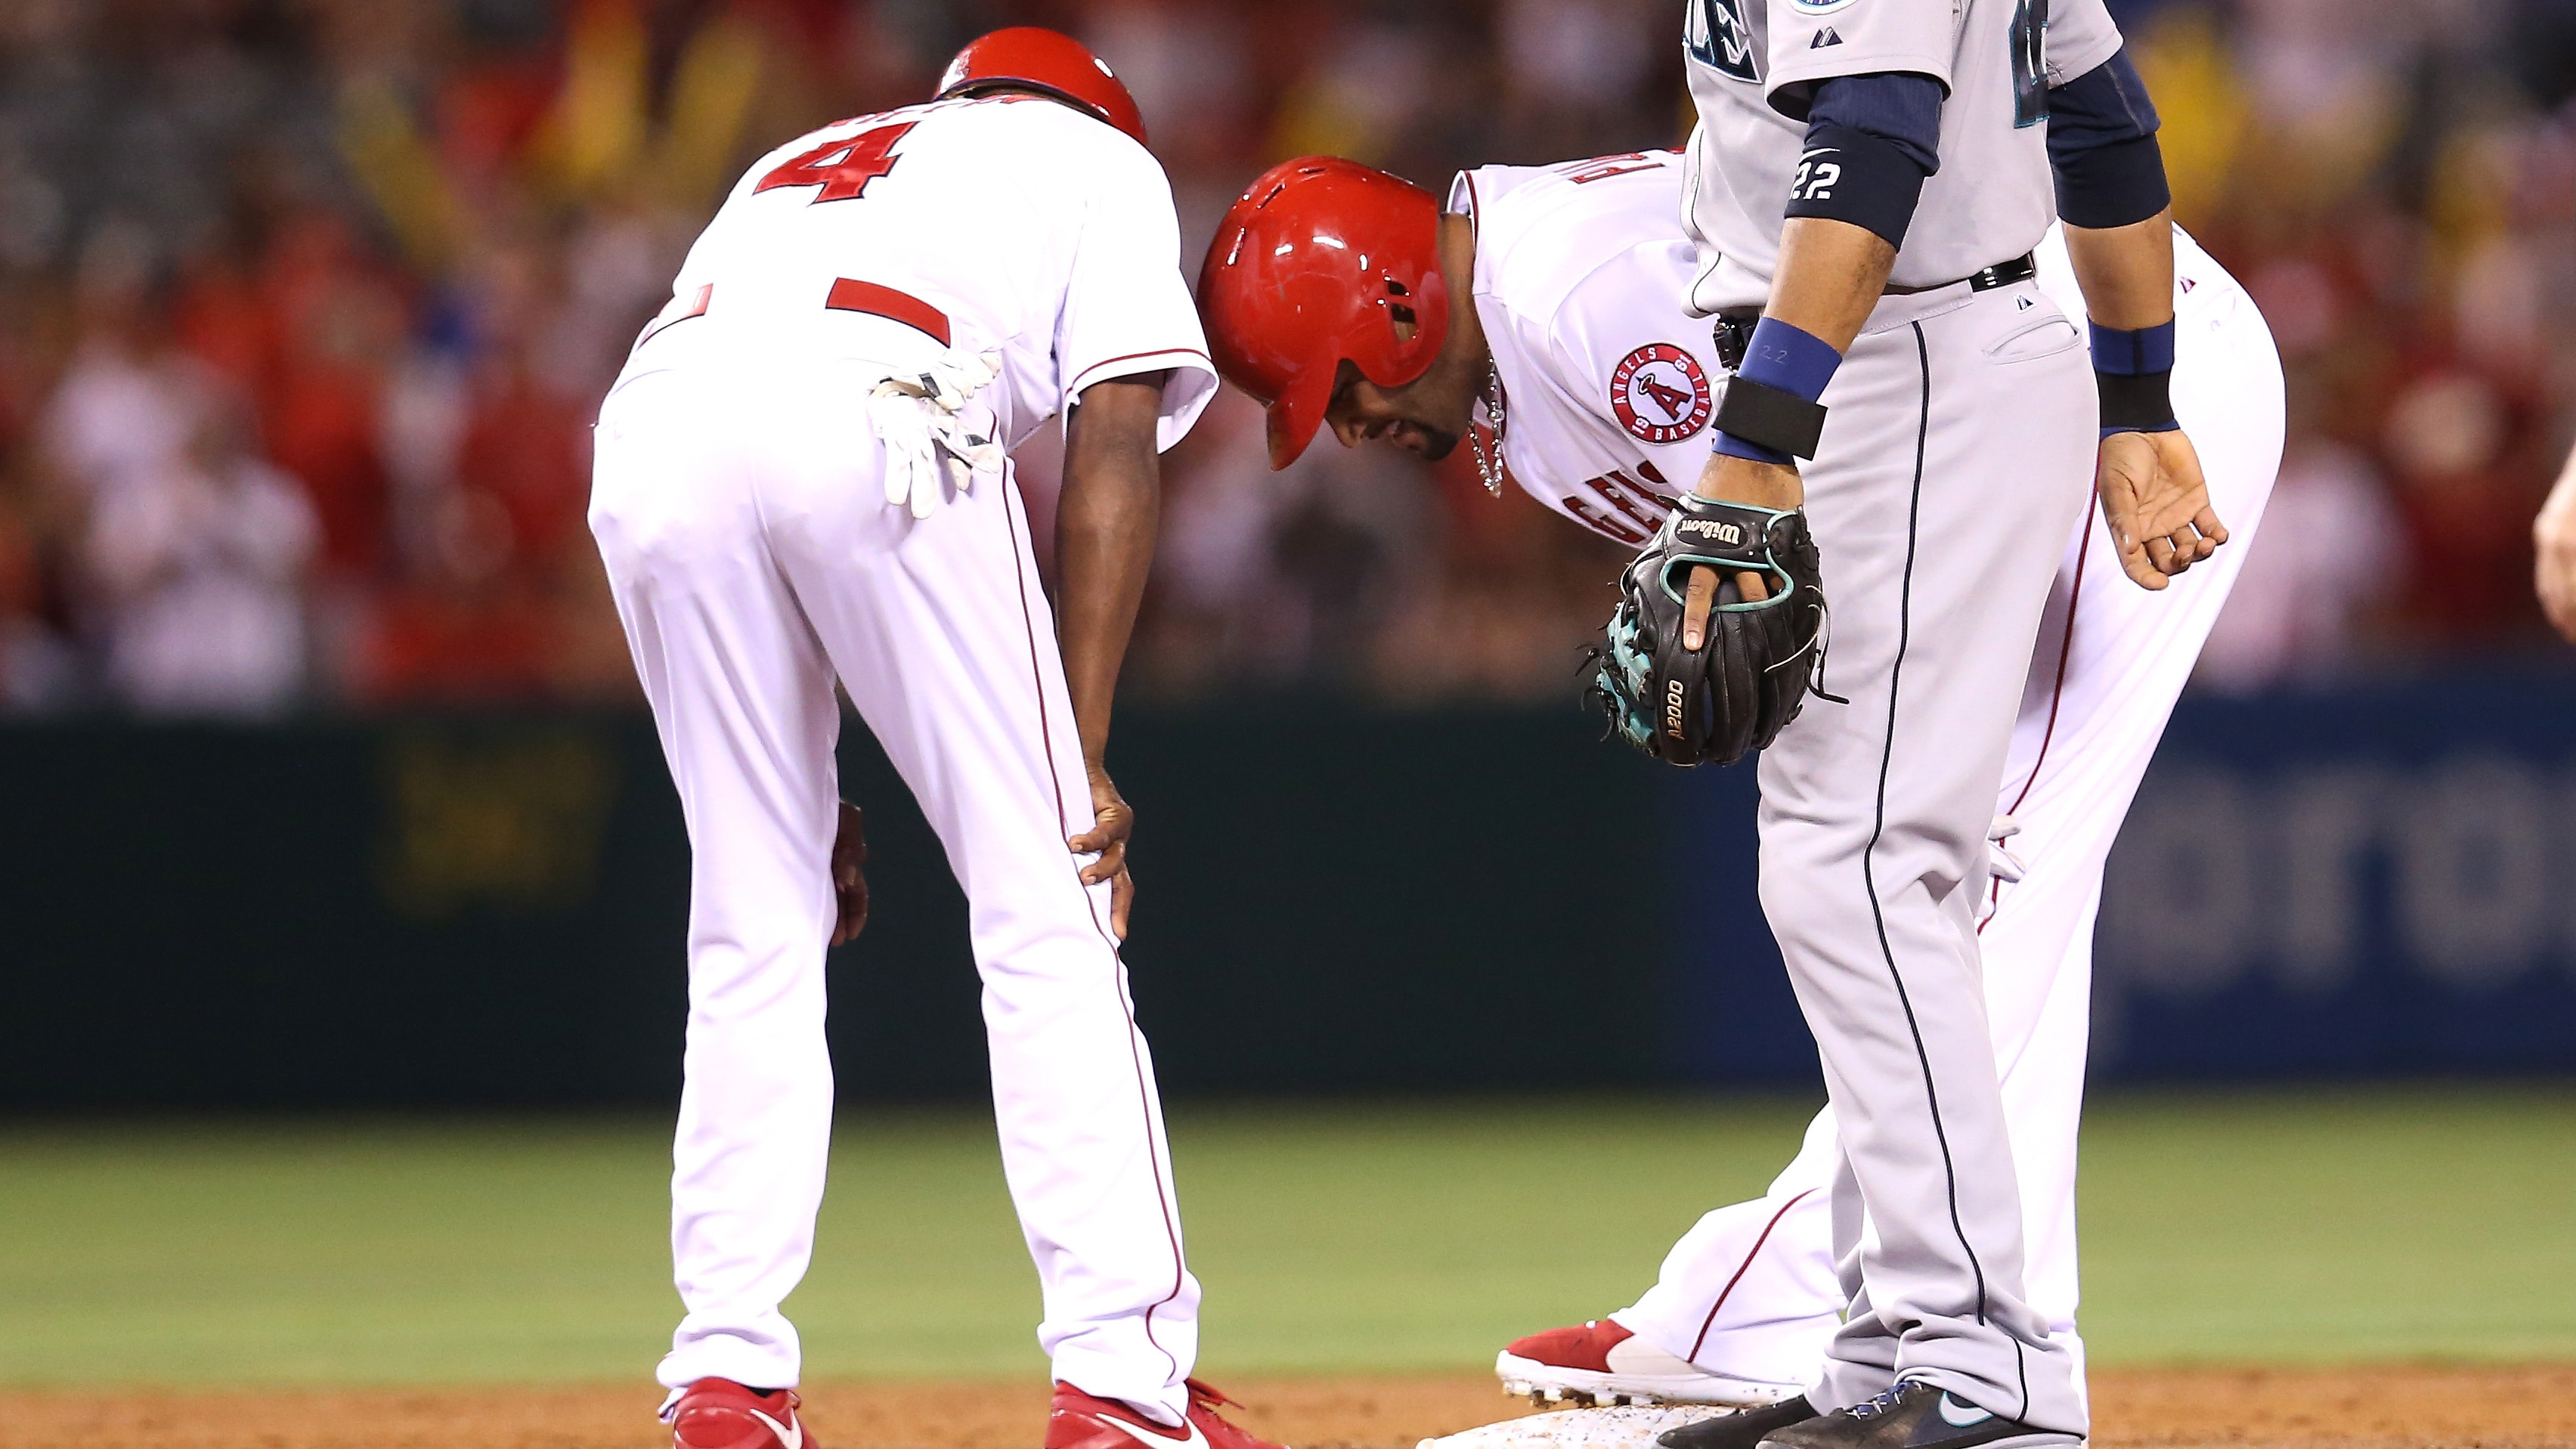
[(1601, 1362), (1080, 1421), (722, 1414)]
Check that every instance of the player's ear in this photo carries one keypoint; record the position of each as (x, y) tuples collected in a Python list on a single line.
[(1345, 395)]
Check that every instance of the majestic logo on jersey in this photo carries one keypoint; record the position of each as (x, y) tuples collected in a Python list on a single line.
[(1717, 37), (1660, 394)]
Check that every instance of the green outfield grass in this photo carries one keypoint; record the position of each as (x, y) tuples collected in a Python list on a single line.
[(2280, 1227)]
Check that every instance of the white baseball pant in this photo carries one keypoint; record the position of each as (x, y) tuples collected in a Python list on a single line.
[(1750, 1292), (754, 556)]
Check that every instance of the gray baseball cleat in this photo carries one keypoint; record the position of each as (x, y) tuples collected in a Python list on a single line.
[(1742, 1430), (1916, 1415)]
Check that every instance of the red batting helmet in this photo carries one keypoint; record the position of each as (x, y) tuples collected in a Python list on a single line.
[(1323, 260), (1047, 60)]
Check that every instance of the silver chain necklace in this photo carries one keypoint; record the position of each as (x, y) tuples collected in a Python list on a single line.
[(1489, 465)]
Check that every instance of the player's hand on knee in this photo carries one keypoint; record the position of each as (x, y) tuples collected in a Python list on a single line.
[(1113, 821), (2156, 502), (849, 882)]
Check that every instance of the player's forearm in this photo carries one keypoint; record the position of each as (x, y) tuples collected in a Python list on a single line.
[(1104, 529), (2126, 272), (1830, 276)]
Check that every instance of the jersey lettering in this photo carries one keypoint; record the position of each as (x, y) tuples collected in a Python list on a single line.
[(1621, 492), (1602, 168), (1603, 523), (842, 168), (1717, 37), (2029, 35)]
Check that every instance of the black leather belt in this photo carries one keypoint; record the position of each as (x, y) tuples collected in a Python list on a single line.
[(1735, 329), (2002, 274)]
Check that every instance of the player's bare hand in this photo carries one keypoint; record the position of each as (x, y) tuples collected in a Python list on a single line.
[(1730, 479), (2157, 505), (1113, 820), (2553, 537), (849, 882)]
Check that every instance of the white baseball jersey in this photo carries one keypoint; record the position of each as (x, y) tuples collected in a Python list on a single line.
[(1608, 385), (1004, 223), (1753, 65)]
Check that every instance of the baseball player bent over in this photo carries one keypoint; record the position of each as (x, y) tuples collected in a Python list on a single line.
[(1891, 330), (1576, 271), (801, 478)]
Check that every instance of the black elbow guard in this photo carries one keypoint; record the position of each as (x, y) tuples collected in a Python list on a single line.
[(1849, 175), (2118, 184)]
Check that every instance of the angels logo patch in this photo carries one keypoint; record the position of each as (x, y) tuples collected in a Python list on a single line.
[(1660, 394)]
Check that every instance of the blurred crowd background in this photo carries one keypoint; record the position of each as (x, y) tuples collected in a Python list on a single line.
[(306, 305)]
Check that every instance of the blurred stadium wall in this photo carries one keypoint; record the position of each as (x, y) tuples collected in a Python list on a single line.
[(489, 911)]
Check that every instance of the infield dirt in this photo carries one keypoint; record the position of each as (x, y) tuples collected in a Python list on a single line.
[(2403, 1407)]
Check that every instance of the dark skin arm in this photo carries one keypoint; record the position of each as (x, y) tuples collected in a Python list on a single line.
[(2153, 495), (849, 882), (1829, 278), (1104, 534), (1104, 542)]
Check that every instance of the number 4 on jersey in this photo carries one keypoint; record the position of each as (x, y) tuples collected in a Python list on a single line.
[(842, 168)]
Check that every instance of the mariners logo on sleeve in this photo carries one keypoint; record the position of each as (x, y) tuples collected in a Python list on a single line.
[(1717, 37), (1660, 394)]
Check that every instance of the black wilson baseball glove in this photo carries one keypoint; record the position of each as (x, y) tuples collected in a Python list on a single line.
[(1745, 683)]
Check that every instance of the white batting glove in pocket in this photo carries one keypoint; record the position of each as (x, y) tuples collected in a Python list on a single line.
[(915, 416)]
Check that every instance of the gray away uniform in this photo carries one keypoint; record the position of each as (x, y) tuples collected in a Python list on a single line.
[(1952, 469)]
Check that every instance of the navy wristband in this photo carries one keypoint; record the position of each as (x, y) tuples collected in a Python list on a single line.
[(2133, 373), (2148, 349), (1784, 358), (1790, 358)]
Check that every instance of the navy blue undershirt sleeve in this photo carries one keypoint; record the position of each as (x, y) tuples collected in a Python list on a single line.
[(2102, 145), (1871, 141), (1901, 109)]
